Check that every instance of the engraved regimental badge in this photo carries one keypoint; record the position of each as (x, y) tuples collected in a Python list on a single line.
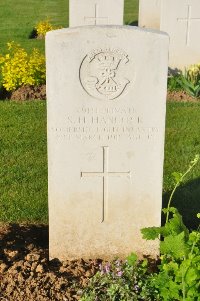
[(103, 73)]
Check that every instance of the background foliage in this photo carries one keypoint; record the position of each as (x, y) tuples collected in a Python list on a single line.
[(18, 19)]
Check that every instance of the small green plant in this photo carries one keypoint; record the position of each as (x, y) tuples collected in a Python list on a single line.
[(178, 275), (189, 81), (121, 281), (179, 270), (19, 68), (191, 88), (173, 82), (43, 27)]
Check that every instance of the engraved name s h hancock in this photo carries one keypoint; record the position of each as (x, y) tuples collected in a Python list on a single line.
[(188, 21), (105, 174)]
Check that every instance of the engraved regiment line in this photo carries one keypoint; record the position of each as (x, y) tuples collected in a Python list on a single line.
[(105, 174), (96, 17), (188, 21)]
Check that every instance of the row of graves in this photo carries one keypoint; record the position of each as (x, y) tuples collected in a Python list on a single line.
[(106, 95), (181, 20)]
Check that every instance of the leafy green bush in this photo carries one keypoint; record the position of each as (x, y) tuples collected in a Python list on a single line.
[(179, 271), (18, 68), (178, 275)]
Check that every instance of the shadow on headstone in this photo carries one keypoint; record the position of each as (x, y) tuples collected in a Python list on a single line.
[(187, 200)]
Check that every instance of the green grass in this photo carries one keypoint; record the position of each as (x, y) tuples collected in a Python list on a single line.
[(18, 19), (23, 159), (182, 139), (23, 162), (181, 145), (131, 12)]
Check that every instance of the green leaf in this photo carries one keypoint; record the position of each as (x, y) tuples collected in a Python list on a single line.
[(151, 233), (175, 225), (131, 259), (168, 289), (191, 276), (171, 209), (174, 246), (171, 266), (177, 176)]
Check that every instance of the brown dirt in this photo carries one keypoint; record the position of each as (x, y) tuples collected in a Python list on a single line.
[(39, 93), (180, 96), (27, 274), (32, 93), (29, 93)]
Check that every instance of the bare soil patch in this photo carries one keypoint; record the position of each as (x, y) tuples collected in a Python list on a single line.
[(180, 96), (27, 274), (39, 93), (29, 93)]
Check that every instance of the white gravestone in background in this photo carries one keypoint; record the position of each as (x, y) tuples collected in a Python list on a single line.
[(96, 12), (106, 90), (149, 14), (181, 20)]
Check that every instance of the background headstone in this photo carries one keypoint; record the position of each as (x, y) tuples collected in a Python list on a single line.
[(181, 20), (96, 12), (149, 14), (106, 90)]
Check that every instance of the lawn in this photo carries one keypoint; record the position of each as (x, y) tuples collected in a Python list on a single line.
[(23, 159), (23, 162), (18, 19), (23, 149), (181, 144)]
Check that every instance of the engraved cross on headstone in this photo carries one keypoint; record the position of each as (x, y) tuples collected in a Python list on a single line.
[(105, 174), (96, 20), (188, 21)]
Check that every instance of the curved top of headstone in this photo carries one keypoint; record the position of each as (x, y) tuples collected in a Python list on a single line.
[(101, 28)]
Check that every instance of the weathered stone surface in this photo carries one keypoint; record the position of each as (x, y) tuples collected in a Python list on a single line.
[(181, 20), (149, 14), (96, 12), (106, 90)]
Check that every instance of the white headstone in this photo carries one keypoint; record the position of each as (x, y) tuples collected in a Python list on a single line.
[(96, 12), (181, 20), (106, 90), (149, 14)]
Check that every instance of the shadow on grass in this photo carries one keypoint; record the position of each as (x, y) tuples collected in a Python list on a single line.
[(187, 200), (133, 23), (33, 34), (4, 94)]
